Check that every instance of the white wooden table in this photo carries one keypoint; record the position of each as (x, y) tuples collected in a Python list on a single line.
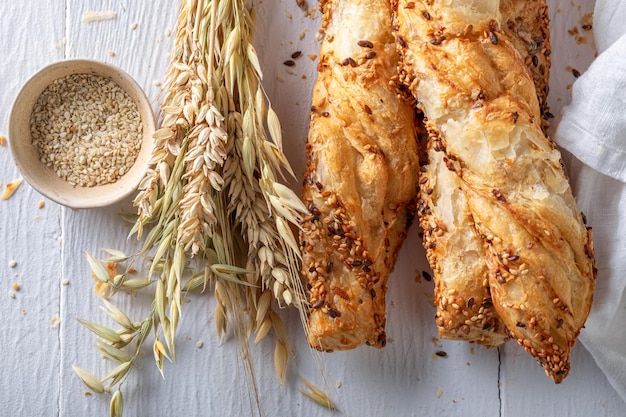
[(40, 337)]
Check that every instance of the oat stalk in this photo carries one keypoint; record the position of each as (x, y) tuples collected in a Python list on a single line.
[(211, 212)]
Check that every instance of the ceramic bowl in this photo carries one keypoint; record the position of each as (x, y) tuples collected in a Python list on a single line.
[(43, 178)]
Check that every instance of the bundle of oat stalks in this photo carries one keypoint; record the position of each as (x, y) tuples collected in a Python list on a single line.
[(211, 210)]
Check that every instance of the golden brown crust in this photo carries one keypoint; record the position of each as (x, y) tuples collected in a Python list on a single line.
[(482, 106), (361, 178)]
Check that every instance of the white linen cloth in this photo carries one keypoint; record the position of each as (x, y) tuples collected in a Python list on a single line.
[(593, 131)]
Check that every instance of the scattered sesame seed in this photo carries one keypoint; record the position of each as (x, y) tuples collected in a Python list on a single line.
[(11, 294), (133, 26), (156, 83), (41, 204), (168, 33), (65, 282), (199, 344), (12, 263)]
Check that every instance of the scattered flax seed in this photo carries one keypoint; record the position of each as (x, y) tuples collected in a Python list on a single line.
[(10, 188), (289, 63), (133, 26), (55, 322), (12, 263), (575, 73), (441, 354), (199, 344), (296, 55), (41, 204)]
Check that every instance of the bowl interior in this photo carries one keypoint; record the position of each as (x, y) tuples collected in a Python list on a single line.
[(43, 178)]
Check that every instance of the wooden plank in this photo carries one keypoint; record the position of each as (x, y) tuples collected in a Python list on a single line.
[(30, 346)]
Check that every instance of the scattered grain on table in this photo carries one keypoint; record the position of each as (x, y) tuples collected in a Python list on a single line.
[(16, 286), (65, 282), (55, 322), (199, 344), (12, 263), (10, 188), (439, 392), (91, 16), (11, 294), (110, 53), (2, 138), (133, 26), (41, 204)]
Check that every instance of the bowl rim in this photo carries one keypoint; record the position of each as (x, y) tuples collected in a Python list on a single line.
[(43, 178)]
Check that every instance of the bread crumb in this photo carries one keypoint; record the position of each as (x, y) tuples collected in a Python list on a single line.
[(301, 35), (436, 342), (37, 218), (199, 344), (23, 312), (97, 16), (41, 204), (133, 26), (439, 392), (57, 46), (16, 286), (312, 57), (2, 138), (55, 322)]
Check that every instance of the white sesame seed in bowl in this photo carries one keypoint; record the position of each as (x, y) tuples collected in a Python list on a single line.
[(81, 133)]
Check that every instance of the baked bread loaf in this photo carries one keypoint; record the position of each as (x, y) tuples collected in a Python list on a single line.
[(361, 179), (462, 294), (483, 117)]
